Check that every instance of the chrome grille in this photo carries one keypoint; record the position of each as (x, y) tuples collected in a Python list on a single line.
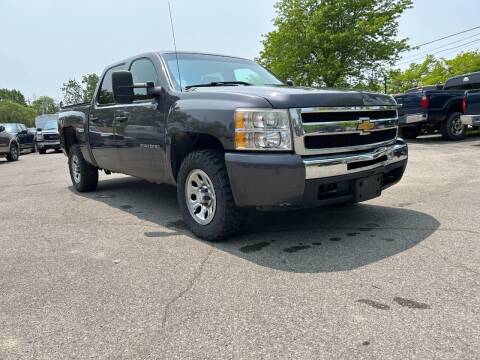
[(343, 129)]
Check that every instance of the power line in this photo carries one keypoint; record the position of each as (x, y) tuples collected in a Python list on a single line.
[(440, 47), (447, 37), (438, 52)]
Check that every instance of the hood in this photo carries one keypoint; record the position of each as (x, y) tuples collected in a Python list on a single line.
[(300, 97)]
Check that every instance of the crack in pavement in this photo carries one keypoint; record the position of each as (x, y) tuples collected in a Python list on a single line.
[(190, 285)]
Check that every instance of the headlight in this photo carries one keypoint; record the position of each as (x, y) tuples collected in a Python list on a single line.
[(262, 129)]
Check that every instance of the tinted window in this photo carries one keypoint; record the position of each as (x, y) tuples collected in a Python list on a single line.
[(105, 95), (143, 71)]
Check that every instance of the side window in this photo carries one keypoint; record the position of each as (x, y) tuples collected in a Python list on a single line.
[(105, 94), (143, 71)]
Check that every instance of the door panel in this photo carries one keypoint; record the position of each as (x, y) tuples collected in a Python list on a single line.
[(102, 138), (140, 130)]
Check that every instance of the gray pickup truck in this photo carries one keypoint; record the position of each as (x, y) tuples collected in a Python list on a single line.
[(231, 136)]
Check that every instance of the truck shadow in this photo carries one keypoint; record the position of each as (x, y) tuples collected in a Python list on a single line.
[(331, 239)]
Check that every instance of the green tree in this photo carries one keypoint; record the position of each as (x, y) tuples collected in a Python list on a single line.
[(75, 92), (14, 112), (333, 42), (89, 83), (45, 105), (72, 92), (433, 71), (12, 95)]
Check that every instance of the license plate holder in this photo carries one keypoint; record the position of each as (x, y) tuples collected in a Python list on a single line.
[(368, 188)]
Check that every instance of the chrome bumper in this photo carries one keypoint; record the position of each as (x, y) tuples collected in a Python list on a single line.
[(328, 166), (472, 120), (412, 119)]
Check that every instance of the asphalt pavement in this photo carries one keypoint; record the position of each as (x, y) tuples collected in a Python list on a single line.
[(114, 274)]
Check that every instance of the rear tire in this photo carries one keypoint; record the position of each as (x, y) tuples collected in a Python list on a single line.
[(452, 128), (222, 217), (411, 132), (14, 152), (84, 176), (42, 151)]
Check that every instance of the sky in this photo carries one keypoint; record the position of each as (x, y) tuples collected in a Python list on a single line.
[(43, 43)]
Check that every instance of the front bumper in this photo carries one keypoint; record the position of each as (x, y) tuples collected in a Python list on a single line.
[(412, 119), (48, 144), (289, 180), (472, 120)]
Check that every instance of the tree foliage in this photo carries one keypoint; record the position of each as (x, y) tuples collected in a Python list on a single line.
[(45, 105), (433, 71), (75, 92), (14, 112), (12, 95), (333, 42)]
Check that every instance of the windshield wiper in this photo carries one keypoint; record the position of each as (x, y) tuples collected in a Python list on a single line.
[(219, 83)]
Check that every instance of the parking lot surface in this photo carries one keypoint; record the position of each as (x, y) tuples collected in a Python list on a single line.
[(114, 274)]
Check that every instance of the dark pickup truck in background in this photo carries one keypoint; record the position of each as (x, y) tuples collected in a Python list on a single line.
[(231, 136), (471, 109), (428, 111)]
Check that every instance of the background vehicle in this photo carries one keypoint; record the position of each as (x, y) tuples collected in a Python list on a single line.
[(47, 136), (436, 110), (9, 146), (24, 139), (471, 109), (231, 136)]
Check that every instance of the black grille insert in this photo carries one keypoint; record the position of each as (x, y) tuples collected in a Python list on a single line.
[(347, 116), (344, 140)]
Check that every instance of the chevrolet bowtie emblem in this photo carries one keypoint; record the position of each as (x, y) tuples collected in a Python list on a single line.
[(365, 126)]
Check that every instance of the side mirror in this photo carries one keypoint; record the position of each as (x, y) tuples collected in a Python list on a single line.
[(289, 82), (122, 84), (123, 87), (2, 128), (39, 129)]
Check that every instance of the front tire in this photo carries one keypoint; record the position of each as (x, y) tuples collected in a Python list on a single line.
[(14, 153), (84, 176), (205, 196), (452, 128)]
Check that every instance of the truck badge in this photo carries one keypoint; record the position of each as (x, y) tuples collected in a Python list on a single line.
[(365, 126)]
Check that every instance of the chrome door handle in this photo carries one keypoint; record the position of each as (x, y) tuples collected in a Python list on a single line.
[(121, 118)]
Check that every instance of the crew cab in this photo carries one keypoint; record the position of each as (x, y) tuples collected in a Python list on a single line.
[(431, 110), (231, 137), (471, 109)]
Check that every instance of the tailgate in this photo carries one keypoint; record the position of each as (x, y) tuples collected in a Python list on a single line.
[(409, 103)]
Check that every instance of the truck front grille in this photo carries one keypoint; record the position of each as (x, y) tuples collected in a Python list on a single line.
[(51, 137), (347, 116), (343, 129), (345, 140)]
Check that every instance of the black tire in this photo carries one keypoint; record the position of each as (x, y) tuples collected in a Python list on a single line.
[(85, 176), (42, 151), (14, 152), (452, 128), (228, 220), (410, 132)]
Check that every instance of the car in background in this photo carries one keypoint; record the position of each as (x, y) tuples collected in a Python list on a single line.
[(471, 109), (24, 139), (9, 146), (428, 110), (47, 136)]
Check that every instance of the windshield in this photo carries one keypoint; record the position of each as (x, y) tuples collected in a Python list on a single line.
[(51, 125), (10, 128), (199, 69)]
